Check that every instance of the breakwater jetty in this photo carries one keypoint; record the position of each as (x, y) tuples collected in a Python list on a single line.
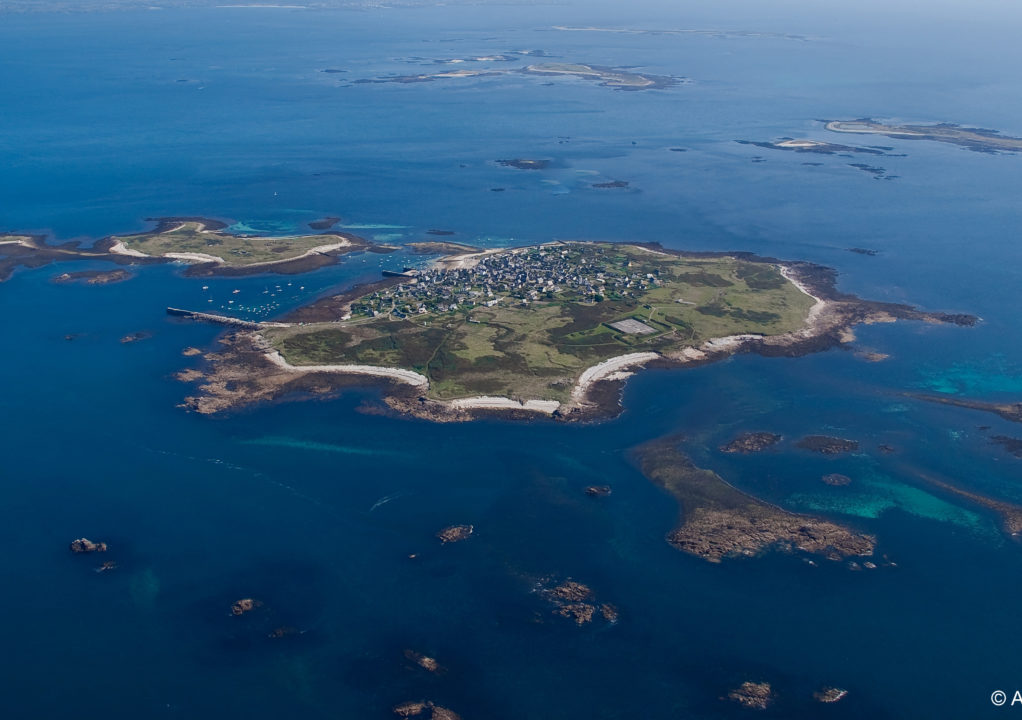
[(222, 319)]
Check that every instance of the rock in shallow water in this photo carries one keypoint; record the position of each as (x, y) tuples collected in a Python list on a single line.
[(455, 533), (416, 708), (826, 445), (240, 607), (751, 442), (757, 696), (829, 694), (84, 545)]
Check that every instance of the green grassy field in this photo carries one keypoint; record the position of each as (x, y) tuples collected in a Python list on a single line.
[(538, 350), (191, 237)]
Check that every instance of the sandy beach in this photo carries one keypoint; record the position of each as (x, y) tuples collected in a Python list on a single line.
[(818, 307), (487, 402), (406, 376), (119, 248), (602, 370)]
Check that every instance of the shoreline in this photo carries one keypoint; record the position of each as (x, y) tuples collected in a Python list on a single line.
[(409, 377), (605, 369), (250, 371), (863, 129), (25, 250), (119, 248)]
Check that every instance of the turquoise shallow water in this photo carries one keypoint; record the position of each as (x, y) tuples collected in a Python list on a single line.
[(315, 507)]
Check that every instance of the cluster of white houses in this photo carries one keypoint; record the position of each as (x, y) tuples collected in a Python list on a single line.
[(577, 271)]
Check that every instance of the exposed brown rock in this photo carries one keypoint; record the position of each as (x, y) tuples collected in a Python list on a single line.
[(829, 694), (241, 375), (576, 601), (581, 613), (191, 351), (751, 442), (135, 337), (416, 708), (571, 591), (425, 662), (827, 445), (411, 708), (84, 545), (757, 696), (240, 607), (455, 533)]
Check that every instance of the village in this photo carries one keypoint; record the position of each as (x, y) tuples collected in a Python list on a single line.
[(576, 272)]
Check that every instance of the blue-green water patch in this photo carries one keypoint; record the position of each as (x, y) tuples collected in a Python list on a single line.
[(992, 375), (873, 493), (264, 227), (373, 226)]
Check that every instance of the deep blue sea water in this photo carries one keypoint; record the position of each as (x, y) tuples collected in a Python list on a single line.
[(111, 118)]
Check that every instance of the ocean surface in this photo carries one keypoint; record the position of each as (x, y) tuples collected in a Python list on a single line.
[(314, 507)]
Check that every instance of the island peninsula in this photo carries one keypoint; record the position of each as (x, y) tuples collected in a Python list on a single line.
[(542, 330), (206, 245), (976, 139)]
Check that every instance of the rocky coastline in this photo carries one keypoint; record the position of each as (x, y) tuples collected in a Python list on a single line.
[(240, 374), (718, 521)]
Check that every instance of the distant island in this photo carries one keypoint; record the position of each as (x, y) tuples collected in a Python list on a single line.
[(806, 145), (976, 139), (617, 78), (541, 330), (206, 245)]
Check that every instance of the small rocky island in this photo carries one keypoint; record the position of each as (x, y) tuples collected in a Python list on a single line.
[(751, 442), (753, 695), (719, 521), (545, 330), (205, 245)]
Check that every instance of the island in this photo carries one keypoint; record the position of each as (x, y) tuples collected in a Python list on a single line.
[(975, 139), (806, 145), (612, 77), (544, 330), (207, 246)]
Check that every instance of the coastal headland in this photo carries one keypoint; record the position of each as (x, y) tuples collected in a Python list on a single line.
[(547, 330), (205, 245)]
